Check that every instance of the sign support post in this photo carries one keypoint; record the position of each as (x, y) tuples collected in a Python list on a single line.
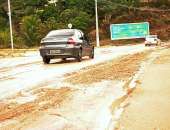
[(10, 24), (97, 26)]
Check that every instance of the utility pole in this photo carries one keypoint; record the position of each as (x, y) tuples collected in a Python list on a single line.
[(97, 26), (10, 24)]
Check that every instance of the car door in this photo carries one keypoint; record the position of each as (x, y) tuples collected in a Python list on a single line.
[(83, 42), (88, 46)]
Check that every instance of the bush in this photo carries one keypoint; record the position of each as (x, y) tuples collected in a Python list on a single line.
[(4, 39), (29, 29), (19, 42)]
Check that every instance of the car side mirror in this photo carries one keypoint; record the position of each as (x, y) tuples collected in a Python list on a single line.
[(81, 38)]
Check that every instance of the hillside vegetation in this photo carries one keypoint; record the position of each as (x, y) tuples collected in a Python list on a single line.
[(32, 19)]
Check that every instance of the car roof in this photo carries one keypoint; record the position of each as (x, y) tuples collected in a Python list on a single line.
[(64, 30)]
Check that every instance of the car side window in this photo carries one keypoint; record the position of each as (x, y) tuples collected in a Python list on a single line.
[(79, 35), (83, 37)]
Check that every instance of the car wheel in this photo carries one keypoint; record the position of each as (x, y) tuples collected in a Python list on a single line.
[(63, 59), (92, 54), (79, 58), (46, 60)]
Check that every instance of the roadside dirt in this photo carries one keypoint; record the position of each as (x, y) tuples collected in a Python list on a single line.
[(163, 58), (15, 52), (23, 114), (148, 106), (120, 69)]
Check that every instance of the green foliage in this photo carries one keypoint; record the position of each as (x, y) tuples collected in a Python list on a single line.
[(50, 11), (4, 38), (3, 23), (130, 2), (52, 24), (105, 7), (81, 21), (33, 19), (29, 28)]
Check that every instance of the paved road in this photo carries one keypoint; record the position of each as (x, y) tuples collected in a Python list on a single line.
[(149, 107), (27, 72)]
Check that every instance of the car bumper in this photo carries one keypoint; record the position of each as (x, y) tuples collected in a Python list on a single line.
[(59, 52)]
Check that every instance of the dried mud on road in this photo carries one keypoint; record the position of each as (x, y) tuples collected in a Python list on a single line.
[(46, 98), (120, 69), (17, 115)]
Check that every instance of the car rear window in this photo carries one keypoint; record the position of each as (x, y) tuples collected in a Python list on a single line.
[(60, 33)]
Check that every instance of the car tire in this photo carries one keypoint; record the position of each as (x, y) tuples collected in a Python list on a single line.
[(92, 53), (46, 60), (63, 59), (79, 58)]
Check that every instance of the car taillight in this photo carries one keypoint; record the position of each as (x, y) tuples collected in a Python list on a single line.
[(71, 41), (42, 46)]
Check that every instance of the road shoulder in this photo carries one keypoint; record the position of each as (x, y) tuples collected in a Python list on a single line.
[(149, 104)]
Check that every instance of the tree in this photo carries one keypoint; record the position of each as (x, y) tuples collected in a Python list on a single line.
[(83, 5), (105, 10), (32, 19), (82, 21), (29, 30), (79, 19), (48, 12)]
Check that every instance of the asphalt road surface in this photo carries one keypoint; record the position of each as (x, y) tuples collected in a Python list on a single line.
[(27, 72), (66, 95)]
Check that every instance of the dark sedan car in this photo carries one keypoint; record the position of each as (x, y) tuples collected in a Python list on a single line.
[(65, 43)]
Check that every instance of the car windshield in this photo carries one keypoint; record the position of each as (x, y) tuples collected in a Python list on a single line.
[(61, 33)]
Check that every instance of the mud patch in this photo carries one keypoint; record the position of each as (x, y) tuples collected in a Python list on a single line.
[(94, 93), (46, 98), (120, 69)]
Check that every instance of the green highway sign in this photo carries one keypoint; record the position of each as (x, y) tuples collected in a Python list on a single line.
[(129, 30)]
